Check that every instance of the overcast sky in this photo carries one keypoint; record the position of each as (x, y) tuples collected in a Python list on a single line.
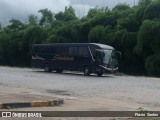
[(21, 9)]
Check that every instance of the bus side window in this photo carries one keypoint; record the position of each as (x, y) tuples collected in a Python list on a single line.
[(54, 51), (59, 51), (83, 51), (73, 51), (63, 51)]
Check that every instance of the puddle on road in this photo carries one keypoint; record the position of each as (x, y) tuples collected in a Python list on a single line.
[(61, 92), (58, 92)]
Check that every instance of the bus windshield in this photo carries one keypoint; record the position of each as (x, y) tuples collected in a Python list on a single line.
[(109, 57)]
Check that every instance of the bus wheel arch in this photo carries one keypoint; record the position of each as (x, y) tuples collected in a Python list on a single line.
[(47, 68), (86, 70)]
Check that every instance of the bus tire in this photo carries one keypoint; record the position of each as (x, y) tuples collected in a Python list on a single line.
[(99, 74), (47, 69), (87, 71), (59, 71)]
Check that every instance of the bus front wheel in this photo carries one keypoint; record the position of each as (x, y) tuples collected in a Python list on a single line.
[(47, 69), (87, 71)]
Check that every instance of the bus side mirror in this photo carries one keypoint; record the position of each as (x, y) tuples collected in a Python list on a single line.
[(119, 54)]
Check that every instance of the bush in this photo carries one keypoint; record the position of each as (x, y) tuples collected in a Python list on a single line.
[(152, 65)]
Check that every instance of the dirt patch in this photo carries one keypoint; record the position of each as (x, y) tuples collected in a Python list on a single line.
[(58, 92), (13, 94)]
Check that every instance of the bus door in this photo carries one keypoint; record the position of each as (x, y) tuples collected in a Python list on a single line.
[(83, 57)]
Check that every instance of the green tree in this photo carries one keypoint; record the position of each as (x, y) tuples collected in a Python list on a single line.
[(144, 2), (97, 34), (1, 29), (93, 12), (152, 11), (140, 10), (67, 33), (15, 24), (47, 18), (84, 29), (148, 45), (121, 7), (33, 20), (67, 15), (152, 65), (60, 16), (148, 38), (4, 42)]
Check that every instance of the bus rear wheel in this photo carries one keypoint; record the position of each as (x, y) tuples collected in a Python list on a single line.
[(47, 69), (87, 71)]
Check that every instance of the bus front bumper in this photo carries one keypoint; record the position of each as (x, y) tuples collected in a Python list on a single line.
[(107, 69)]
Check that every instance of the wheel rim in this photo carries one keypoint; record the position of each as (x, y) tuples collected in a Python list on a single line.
[(46, 69), (86, 71)]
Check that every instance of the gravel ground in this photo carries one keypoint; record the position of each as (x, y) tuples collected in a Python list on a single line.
[(80, 92)]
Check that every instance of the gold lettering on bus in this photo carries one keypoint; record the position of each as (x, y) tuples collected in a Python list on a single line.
[(63, 58)]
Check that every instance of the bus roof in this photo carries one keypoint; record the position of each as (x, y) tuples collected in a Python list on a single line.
[(101, 46)]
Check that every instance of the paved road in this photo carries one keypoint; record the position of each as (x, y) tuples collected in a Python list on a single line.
[(80, 92)]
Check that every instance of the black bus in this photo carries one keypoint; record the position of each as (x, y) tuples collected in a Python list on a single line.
[(86, 57)]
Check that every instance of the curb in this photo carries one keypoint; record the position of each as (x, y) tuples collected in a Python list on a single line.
[(43, 103)]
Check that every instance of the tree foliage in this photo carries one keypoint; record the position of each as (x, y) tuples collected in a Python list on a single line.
[(33, 20), (121, 7), (148, 45), (67, 15), (47, 18), (97, 34), (134, 31), (152, 11)]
